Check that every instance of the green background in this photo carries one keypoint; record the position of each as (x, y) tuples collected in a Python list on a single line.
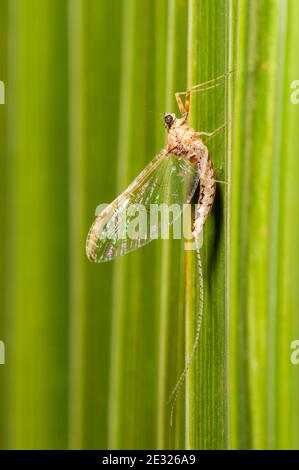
[(93, 351)]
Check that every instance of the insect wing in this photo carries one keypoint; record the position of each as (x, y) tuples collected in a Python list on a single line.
[(134, 218)]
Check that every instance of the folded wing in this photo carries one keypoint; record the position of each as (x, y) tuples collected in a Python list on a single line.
[(128, 222)]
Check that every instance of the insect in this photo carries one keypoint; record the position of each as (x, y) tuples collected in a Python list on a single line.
[(172, 177)]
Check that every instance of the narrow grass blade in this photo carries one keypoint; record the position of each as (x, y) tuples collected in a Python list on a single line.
[(263, 232), (37, 342), (209, 26), (284, 412), (94, 104), (133, 379), (3, 211), (172, 330)]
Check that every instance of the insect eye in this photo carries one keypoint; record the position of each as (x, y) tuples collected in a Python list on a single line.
[(168, 119)]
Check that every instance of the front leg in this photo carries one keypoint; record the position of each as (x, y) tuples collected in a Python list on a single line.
[(184, 108)]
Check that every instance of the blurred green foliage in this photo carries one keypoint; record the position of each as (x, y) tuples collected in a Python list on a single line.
[(93, 351), (264, 229)]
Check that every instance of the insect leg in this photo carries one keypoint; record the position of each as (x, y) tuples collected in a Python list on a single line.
[(180, 103), (210, 136), (184, 108), (213, 133), (206, 85), (211, 83)]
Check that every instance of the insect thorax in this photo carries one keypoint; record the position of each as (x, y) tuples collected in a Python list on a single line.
[(182, 140)]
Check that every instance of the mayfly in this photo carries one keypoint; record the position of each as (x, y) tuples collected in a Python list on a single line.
[(172, 177)]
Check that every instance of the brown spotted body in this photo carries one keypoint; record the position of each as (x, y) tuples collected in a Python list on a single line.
[(183, 140)]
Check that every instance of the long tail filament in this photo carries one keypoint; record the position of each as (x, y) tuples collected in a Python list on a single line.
[(174, 394)]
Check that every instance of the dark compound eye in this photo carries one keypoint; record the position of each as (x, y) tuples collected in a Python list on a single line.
[(168, 119)]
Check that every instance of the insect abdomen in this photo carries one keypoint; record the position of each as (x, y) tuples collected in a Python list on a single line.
[(207, 193)]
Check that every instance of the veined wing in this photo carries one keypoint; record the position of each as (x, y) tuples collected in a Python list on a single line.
[(169, 180)]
